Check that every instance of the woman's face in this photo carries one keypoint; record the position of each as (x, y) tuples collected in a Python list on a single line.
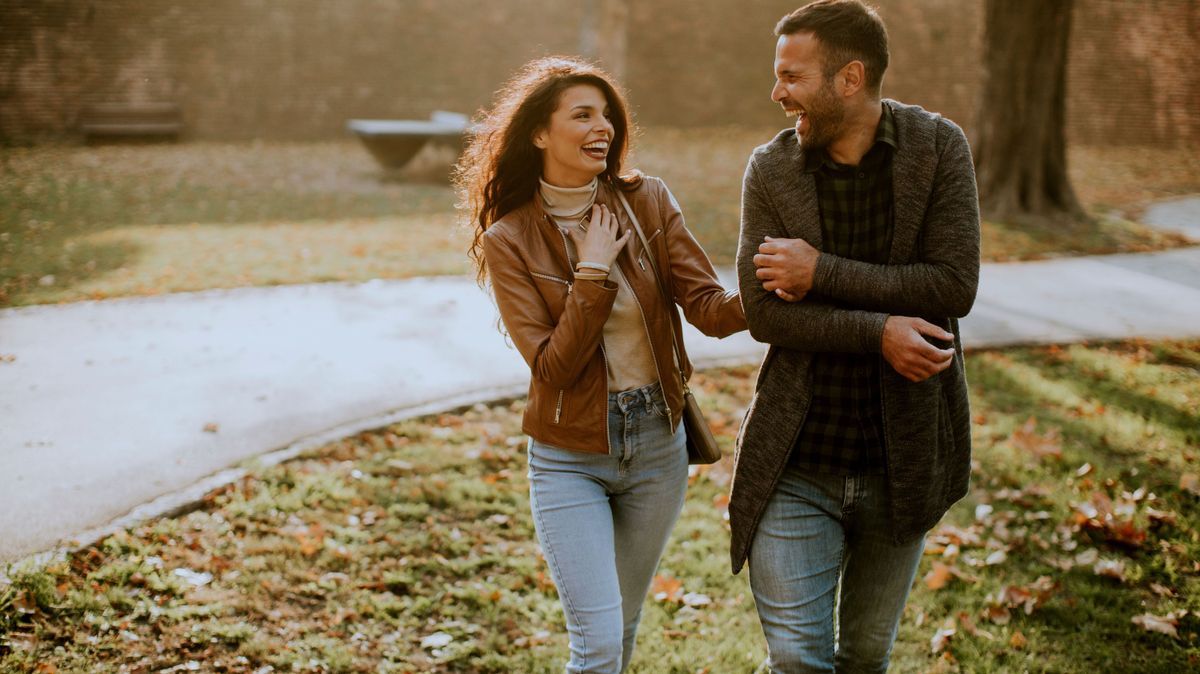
[(575, 142)]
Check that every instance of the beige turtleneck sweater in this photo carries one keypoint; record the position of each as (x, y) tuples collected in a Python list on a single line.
[(626, 345)]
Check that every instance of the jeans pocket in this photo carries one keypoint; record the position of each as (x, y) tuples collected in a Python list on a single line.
[(660, 407)]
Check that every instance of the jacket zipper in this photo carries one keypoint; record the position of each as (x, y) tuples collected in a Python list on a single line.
[(570, 287), (556, 279), (604, 359)]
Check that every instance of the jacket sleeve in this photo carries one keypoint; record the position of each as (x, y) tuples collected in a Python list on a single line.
[(715, 311), (555, 352), (807, 325), (945, 280)]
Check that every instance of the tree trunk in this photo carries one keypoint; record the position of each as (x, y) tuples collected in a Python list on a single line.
[(1020, 153), (603, 35)]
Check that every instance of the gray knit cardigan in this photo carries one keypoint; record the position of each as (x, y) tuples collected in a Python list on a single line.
[(932, 272)]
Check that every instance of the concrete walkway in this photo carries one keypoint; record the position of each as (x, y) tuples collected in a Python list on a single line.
[(114, 411)]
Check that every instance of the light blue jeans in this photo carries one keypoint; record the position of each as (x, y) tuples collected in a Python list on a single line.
[(603, 521), (817, 531)]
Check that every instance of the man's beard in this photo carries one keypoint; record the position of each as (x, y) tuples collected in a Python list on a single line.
[(825, 116)]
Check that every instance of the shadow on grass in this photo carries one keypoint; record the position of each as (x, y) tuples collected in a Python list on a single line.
[(1108, 433)]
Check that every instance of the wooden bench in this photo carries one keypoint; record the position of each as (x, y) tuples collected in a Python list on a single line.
[(394, 142), (150, 121)]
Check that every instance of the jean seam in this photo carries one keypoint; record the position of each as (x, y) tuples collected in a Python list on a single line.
[(553, 559), (834, 633)]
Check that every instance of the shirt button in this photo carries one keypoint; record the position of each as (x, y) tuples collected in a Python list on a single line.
[(862, 175)]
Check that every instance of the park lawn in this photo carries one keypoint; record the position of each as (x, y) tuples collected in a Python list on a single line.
[(410, 549), (79, 223)]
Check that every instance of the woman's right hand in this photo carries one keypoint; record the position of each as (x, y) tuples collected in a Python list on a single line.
[(601, 244)]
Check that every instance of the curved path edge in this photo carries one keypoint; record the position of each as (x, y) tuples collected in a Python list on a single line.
[(122, 410)]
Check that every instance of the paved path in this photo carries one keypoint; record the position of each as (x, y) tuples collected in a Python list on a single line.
[(1180, 215), (117, 410)]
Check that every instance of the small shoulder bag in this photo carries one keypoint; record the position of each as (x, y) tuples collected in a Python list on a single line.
[(701, 445)]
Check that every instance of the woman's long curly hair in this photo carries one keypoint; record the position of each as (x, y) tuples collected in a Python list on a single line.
[(500, 166)]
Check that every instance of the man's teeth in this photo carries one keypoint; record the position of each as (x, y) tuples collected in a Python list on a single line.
[(793, 113)]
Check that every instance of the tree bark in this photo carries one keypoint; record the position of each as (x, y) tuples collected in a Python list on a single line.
[(1020, 153), (603, 36)]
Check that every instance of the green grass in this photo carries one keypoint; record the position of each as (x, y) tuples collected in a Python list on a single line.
[(346, 559), (80, 223)]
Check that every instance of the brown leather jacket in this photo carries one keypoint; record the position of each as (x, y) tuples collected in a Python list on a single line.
[(557, 322)]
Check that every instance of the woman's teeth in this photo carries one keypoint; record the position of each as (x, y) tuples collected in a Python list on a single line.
[(598, 149)]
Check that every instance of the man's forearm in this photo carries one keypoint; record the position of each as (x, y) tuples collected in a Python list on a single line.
[(922, 289)]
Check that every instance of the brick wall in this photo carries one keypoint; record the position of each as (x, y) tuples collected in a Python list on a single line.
[(1133, 76), (300, 68)]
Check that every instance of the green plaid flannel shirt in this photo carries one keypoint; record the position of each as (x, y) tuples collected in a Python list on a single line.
[(843, 431)]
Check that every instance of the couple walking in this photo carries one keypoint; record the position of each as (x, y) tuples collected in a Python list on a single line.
[(859, 249)]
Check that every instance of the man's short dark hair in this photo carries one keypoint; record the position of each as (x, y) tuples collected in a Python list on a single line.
[(847, 30)]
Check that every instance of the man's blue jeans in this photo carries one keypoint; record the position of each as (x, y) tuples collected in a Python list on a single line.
[(603, 521), (818, 530)]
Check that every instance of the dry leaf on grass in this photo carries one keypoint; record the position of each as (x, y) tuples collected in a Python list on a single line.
[(1162, 590), (1041, 446), (1166, 624), (1110, 568), (1190, 482), (938, 576), (942, 637), (667, 589)]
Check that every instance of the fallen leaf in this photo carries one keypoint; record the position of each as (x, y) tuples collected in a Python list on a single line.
[(1161, 517), (1190, 482), (666, 589), (1041, 446), (436, 640), (967, 625), (997, 614), (1162, 590), (721, 501), (938, 576), (942, 637), (211, 427), (1110, 568), (1166, 624), (196, 578), (1018, 641)]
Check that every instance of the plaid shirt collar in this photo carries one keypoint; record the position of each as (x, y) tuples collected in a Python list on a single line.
[(885, 133)]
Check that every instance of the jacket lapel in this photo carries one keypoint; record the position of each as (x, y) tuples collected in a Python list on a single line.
[(912, 180), (794, 193)]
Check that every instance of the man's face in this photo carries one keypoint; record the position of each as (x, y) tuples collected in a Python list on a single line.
[(803, 91)]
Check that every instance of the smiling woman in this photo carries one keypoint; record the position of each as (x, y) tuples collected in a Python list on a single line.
[(582, 301), (575, 142)]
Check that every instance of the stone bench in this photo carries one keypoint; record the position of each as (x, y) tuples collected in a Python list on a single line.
[(131, 120), (394, 142)]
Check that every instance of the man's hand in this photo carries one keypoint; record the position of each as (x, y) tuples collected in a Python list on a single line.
[(906, 350), (786, 267)]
